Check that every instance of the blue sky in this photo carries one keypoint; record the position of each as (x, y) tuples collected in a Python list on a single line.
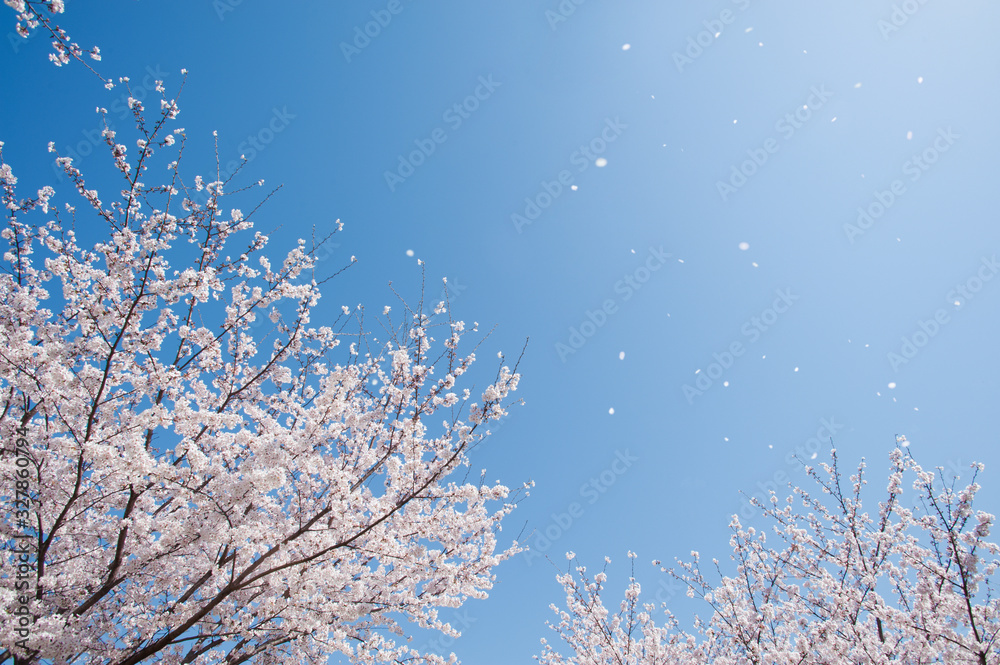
[(645, 256)]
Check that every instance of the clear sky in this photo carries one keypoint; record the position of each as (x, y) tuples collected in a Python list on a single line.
[(720, 151)]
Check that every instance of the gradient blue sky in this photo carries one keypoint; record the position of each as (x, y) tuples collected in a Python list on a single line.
[(556, 86)]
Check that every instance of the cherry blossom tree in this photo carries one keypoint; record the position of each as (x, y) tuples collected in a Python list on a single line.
[(903, 584), (202, 474)]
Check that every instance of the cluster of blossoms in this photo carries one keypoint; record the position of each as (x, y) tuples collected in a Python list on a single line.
[(903, 585), (206, 490), (34, 14)]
